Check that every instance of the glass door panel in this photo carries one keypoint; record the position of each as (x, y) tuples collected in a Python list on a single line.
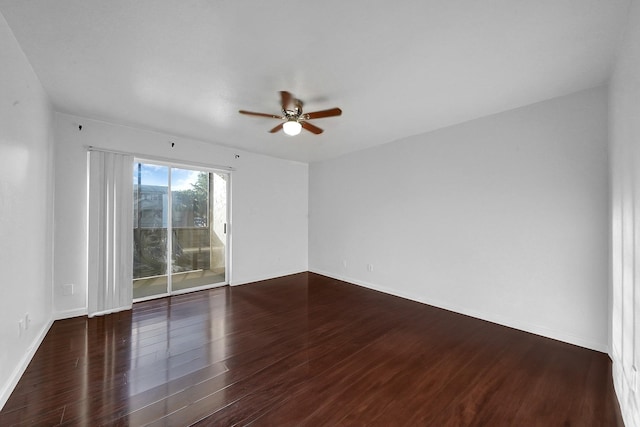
[(198, 228), (150, 219)]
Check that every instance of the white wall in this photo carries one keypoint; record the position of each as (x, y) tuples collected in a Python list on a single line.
[(269, 203), (25, 210), (503, 218), (625, 197)]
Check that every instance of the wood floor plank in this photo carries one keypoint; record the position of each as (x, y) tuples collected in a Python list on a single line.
[(306, 350)]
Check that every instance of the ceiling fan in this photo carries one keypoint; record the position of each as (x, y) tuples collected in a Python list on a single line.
[(294, 118)]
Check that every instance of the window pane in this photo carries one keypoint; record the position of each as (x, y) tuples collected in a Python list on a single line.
[(195, 258), (150, 183)]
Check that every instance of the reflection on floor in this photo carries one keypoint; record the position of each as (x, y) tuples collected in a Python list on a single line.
[(156, 285)]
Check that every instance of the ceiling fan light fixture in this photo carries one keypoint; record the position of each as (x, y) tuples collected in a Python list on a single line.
[(292, 127), (295, 120)]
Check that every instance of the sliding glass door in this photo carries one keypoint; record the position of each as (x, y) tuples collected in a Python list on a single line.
[(180, 229)]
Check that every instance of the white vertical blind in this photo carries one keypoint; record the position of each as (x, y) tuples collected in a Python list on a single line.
[(110, 251)]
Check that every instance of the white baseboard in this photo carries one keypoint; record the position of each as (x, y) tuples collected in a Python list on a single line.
[(489, 317), (7, 388), (67, 314), (261, 278)]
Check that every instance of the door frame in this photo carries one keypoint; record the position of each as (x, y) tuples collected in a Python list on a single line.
[(227, 256)]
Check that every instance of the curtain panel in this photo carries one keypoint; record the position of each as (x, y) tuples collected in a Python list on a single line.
[(110, 233)]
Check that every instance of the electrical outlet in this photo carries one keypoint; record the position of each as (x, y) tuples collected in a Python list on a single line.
[(67, 289), (20, 327), (27, 320), (369, 267)]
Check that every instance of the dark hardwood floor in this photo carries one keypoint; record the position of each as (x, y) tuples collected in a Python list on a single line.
[(306, 350)]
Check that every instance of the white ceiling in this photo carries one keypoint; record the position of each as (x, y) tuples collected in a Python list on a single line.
[(396, 68)]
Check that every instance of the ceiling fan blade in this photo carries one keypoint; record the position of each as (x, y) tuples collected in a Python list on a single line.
[(251, 113), (311, 128), (324, 113), (286, 98), (277, 128)]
